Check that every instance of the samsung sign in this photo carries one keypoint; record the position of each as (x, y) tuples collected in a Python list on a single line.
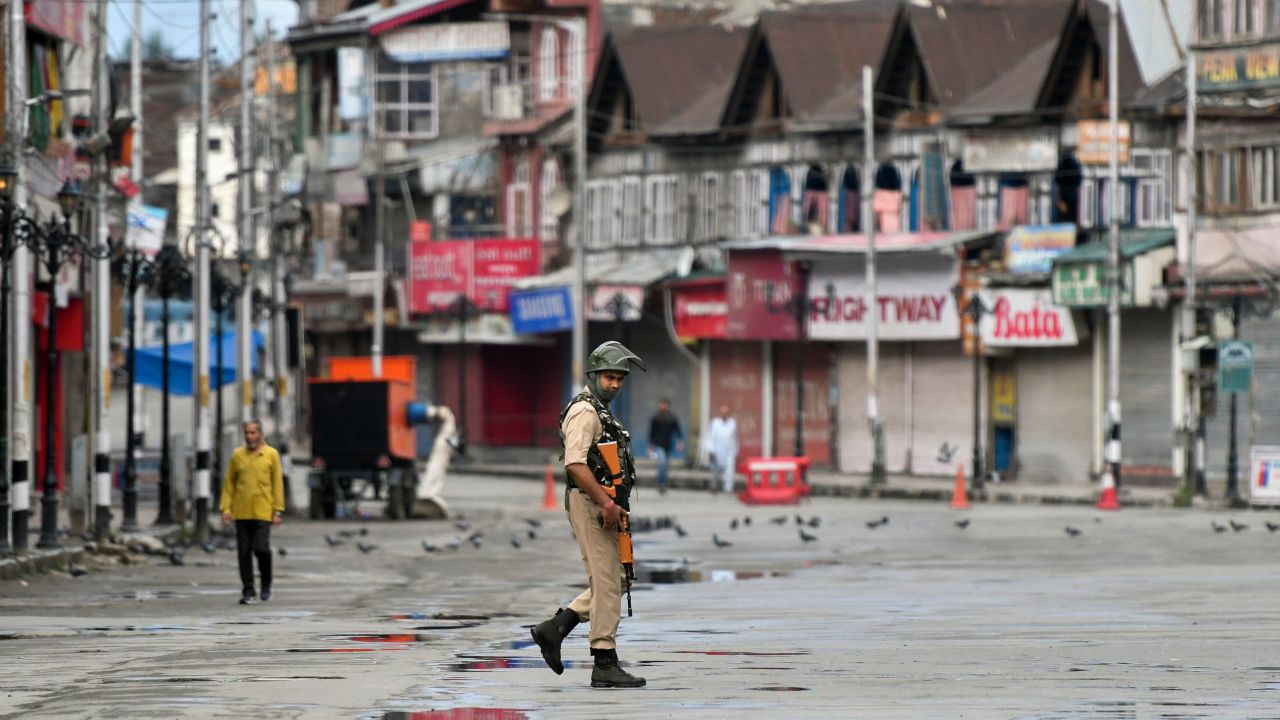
[(541, 311)]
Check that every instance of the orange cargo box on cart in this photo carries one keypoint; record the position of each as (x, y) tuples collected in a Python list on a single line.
[(356, 417)]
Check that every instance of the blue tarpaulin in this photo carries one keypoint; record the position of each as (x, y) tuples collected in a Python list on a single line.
[(150, 363)]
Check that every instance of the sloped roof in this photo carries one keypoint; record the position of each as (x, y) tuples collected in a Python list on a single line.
[(679, 77), (968, 45)]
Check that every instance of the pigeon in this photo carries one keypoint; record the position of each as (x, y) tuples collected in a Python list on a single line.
[(346, 533), (75, 570), (1071, 531), (532, 535), (429, 547), (681, 532), (1237, 527), (720, 543), (364, 531), (282, 552), (462, 526), (873, 524), (333, 542), (806, 536), (746, 520), (734, 524), (475, 541), (454, 544), (815, 521), (515, 542), (175, 558), (1218, 528), (533, 522), (780, 520), (366, 549), (1272, 527), (962, 524), (209, 548), (799, 520), (475, 535)]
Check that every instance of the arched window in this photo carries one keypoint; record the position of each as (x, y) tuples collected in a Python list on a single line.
[(519, 220), (548, 181), (886, 201), (548, 64), (779, 201), (850, 208), (964, 198), (814, 209), (574, 62)]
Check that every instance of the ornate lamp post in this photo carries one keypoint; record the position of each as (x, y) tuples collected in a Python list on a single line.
[(974, 309), (800, 306), (133, 267), (55, 245), (172, 279)]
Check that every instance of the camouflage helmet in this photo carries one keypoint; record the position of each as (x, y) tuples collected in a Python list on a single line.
[(612, 355)]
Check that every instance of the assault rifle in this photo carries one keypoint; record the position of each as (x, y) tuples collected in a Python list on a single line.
[(620, 494)]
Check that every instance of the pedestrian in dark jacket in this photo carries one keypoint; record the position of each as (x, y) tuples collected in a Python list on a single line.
[(665, 438)]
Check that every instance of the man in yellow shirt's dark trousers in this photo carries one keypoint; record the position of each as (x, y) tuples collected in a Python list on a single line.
[(253, 496)]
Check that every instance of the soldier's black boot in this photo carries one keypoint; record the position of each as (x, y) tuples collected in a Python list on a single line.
[(607, 673), (550, 633)]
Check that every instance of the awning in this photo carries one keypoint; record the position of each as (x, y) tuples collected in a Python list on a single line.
[(1237, 254), (639, 269), (151, 365), (1133, 242), (461, 165), (857, 244)]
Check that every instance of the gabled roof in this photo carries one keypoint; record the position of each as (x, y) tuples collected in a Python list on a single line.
[(678, 78), (818, 54)]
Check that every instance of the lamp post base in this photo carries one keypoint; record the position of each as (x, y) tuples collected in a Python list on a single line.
[(48, 522), (21, 531), (202, 519), (102, 523), (130, 502), (5, 547)]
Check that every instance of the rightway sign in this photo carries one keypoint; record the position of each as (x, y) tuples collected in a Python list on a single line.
[(1235, 366)]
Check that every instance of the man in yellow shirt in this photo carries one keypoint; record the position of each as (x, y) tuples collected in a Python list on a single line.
[(253, 495)]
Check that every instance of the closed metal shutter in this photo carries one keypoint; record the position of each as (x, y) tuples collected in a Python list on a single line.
[(855, 435), (1146, 395), (1053, 440), (942, 408), (1265, 335)]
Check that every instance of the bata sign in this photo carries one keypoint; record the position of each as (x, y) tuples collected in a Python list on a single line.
[(1025, 318), (913, 299)]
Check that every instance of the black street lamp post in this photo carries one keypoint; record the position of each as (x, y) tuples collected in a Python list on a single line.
[(800, 306), (133, 267), (172, 280), (56, 244), (16, 230), (461, 309), (974, 310)]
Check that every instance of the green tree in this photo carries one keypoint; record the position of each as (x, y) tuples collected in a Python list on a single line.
[(155, 46)]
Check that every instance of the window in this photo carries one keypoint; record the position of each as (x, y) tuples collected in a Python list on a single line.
[(632, 212), (407, 99), (1262, 177), (709, 207), (548, 65), (215, 144), (1211, 12), (213, 210), (548, 223), (988, 202), (1224, 168), (574, 62), (519, 214), (1271, 17), (660, 209)]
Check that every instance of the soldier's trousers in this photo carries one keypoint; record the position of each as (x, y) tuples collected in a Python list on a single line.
[(601, 602)]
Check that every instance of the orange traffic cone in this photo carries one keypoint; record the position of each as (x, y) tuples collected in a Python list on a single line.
[(960, 496), (549, 495), (1108, 500)]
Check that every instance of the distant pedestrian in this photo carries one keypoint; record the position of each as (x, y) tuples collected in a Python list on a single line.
[(253, 495), (722, 448), (665, 438)]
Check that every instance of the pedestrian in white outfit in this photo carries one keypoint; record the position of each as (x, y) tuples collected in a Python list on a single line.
[(722, 448)]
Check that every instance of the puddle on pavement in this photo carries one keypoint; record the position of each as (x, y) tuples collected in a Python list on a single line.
[(780, 688), (669, 572), (743, 653), (155, 679), (366, 642), (144, 595), (504, 663), (464, 713), (137, 628)]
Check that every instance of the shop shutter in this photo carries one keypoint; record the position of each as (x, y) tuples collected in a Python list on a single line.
[(851, 379), (1265, 335), (1146, 367), (1054, 426), (942, 408)]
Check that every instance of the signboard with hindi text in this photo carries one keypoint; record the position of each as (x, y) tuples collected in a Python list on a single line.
[(482, 270)]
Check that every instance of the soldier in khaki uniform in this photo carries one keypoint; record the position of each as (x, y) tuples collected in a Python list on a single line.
[(595, 516)]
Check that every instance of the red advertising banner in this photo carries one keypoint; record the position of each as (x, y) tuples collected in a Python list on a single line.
[(759, 286), (701, 309), (65, 20), (485, 270)]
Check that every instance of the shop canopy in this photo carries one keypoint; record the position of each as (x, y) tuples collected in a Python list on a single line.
[(922, 242), (150, 364), (1133, 242)]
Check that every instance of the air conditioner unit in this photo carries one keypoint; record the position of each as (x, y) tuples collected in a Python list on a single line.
[(508, 102)]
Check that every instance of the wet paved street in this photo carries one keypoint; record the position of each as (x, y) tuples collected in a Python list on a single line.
[(1141, 614)]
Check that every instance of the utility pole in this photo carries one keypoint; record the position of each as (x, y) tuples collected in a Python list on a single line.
[(379, 212), (248, 243), (101, 273), (1111, 454), (580, 209), (200, 359), (279, 335), (20, 268), (874, 422), (1191, 449)]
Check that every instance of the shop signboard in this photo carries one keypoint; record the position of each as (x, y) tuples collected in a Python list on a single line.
[(914, 298), (483, 270), (760, 286), (1235, 366), (1085, 285), (1011, 152), (1245, 68), (448, 42), (542, 310), (353, 99), (701, 311), (1093, 142), (1032, 248), (1021, 317), (1264, 475)]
